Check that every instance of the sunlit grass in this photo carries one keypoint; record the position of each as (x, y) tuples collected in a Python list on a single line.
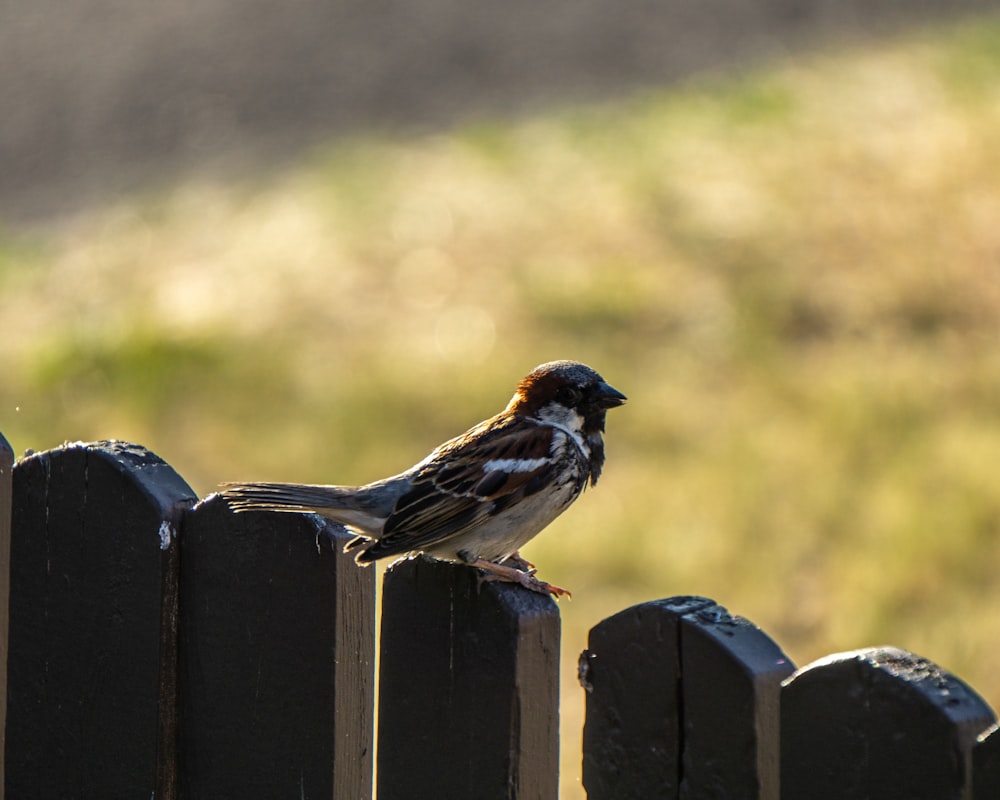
[(793, 274)]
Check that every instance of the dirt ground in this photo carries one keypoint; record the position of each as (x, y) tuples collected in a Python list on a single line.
[(100, 97)]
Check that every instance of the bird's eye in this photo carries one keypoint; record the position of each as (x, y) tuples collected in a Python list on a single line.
[(568, 395)]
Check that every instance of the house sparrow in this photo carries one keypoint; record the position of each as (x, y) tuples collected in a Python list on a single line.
[(478, 498)]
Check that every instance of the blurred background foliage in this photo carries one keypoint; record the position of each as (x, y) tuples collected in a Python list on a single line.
[(793, 272)]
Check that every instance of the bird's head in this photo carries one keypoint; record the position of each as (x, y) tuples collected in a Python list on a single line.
[(572, 396)]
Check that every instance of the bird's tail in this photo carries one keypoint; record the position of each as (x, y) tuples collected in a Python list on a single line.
[(363, 509), (293, 497)]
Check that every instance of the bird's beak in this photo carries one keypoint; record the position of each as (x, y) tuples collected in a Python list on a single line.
[(609, 396)]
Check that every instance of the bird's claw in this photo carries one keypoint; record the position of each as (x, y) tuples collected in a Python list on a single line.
[(500, 572), (543, 587), (522, 563)]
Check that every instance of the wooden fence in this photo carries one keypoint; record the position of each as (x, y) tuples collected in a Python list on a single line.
[(161, 646)]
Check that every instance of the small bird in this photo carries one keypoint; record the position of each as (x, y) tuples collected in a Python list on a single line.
[(477, 498)]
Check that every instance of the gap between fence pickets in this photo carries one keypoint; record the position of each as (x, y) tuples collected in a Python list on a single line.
[(168, 722)]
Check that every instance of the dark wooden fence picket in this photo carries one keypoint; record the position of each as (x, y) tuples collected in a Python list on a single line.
[(879, 723), (468, 687), (92, 549), (682, 702), (6, 502), (277, 642), (156, 646)]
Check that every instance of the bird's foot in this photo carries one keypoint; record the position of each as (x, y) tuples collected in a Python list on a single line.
[(501, 572)]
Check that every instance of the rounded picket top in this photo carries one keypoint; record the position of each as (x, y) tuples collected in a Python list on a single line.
[(879, 722), (681, 691), (731, 676), (93, 616)]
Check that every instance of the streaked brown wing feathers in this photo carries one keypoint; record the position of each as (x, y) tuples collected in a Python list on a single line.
[(453, 493)]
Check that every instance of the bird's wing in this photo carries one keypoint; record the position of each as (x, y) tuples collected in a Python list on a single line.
[(467, 481)]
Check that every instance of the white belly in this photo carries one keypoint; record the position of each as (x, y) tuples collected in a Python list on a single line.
[(505, 534)]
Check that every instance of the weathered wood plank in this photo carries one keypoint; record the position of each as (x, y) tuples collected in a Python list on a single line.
[(469, 687), (880, 722), (731, 675), (6, 502), (90, 676), (631, 672), (277, 651), (682, 702)]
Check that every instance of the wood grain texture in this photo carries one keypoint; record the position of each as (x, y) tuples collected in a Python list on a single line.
[(468, 692), (277, 658), (91, 538)]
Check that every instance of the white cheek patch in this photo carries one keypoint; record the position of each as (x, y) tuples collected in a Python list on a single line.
[(514, 464), (567, 420), (560, 415)]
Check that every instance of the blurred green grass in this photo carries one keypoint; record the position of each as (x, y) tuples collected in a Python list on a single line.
[(793, 273)]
